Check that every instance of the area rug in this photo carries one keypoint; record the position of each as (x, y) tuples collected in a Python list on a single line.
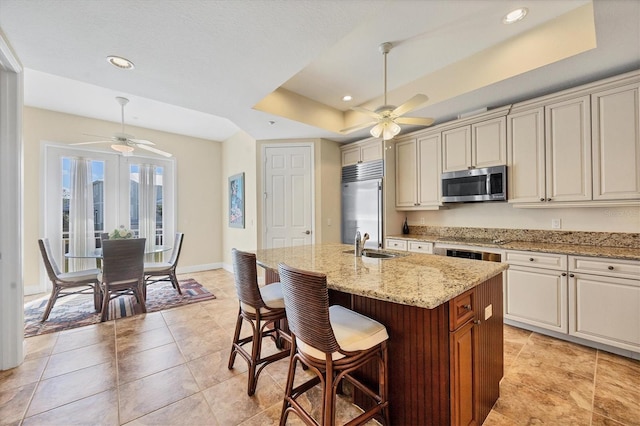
[(77, 311)]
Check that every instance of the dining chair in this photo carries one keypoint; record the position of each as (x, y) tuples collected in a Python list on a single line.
[(263, 308), (64, 283), (164, 271), (332, 342), (122, 271)]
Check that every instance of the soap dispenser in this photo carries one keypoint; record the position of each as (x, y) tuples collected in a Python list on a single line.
[(405, 227)]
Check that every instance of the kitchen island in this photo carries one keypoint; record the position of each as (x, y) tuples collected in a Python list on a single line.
[(444, 318)]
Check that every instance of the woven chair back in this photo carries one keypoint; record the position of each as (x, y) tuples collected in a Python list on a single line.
[(177, 246), (246, 278), (123, 261), (49, 262), (306, 301)]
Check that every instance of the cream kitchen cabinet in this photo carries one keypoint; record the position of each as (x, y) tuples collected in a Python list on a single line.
[(580, 147), (362, 152), (615, 120), (604, 301), (549, 153), (535, 289), (481, 144), (418, 173)]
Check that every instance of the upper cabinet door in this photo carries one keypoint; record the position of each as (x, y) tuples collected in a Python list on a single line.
[(456, 149), (362, 152), (350, 156), (371, 151), (429, 170), (568, 150), (406, 174), (489, 143), (616, 143), (525, 159)]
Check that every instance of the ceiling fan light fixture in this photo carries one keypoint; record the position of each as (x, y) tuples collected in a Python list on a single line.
[(120, 62), (515, 15), (122, 148), (388, 129)]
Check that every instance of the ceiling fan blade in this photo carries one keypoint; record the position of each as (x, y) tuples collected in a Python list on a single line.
[(357, 127), (142, 142), (411, 104), (415, 121), (366, 111), (90, 143), (97, 136), (154, 150)]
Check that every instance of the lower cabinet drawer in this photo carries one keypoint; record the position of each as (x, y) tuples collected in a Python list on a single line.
[(461, 309), (394, 244), (536, 259), (604, 266), (421, 247)]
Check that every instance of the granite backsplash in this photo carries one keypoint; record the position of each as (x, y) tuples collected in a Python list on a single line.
[(608, 239)]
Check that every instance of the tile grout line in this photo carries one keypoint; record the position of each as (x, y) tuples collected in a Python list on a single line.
[(26, 409)]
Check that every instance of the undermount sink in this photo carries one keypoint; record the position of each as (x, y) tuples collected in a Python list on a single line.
[(377, 254)]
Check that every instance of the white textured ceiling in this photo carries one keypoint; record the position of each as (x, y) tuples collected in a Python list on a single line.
[(201, 66)]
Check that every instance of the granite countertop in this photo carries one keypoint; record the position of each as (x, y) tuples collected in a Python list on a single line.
[(627, 253), (421, 280)]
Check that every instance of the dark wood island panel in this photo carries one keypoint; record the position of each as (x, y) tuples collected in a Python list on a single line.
[(426, 360)]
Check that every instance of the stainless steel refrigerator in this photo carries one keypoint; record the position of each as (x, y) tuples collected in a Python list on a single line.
[(362, 202)]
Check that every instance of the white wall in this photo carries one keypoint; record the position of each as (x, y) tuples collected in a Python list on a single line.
[(503, 215), (198, 191)]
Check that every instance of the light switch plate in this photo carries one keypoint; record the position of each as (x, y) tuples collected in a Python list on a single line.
[(488, 312)]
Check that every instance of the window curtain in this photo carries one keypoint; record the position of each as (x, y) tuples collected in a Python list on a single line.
[(81, 223), (147, 205)]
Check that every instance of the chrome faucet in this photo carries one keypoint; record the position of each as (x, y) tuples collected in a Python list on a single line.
[(360, 243)]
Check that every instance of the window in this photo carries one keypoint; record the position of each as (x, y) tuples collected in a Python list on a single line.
[(115, 183)]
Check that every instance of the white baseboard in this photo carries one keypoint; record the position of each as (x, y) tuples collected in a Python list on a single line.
[(227, 267), (32, 289), (198, 268)]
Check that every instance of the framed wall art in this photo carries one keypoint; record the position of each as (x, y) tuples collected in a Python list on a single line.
[(236, 201)]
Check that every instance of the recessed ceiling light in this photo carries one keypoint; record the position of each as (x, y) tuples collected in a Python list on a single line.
[(515, 15), (347, 98), (120, 62)]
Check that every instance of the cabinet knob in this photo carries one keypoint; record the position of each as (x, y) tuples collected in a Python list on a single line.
[(548, 199), (611, 268), (541, 199), (564, 274), (467, 307), (476, 322), (571, 275), (531, 259)]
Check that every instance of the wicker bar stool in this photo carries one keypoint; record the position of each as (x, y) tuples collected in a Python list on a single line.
[(263, 309), (332, 342)]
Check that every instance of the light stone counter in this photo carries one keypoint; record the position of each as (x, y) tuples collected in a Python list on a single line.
[(421, 280), (627, 253)]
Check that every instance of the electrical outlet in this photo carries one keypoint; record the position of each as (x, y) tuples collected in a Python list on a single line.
[(329, 221), (556, 223), (422, 221), (488, 312)]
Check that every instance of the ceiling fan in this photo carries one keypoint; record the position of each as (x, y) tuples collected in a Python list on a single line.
[(123, 142), (387, 118)]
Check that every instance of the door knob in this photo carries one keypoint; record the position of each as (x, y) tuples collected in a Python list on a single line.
[(307, 232)]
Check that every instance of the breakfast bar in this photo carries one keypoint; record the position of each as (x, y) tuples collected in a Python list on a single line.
[(444, 318)]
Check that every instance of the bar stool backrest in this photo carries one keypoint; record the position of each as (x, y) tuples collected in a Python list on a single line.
[(246, 278), (306, 301)]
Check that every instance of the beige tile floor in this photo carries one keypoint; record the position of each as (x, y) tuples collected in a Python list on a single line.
[(170, 368)]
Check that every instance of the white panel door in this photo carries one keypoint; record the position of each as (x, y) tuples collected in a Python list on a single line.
[(288, 207)]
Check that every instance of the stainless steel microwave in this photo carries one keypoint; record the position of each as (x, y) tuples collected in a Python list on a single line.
[(486, 184)]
